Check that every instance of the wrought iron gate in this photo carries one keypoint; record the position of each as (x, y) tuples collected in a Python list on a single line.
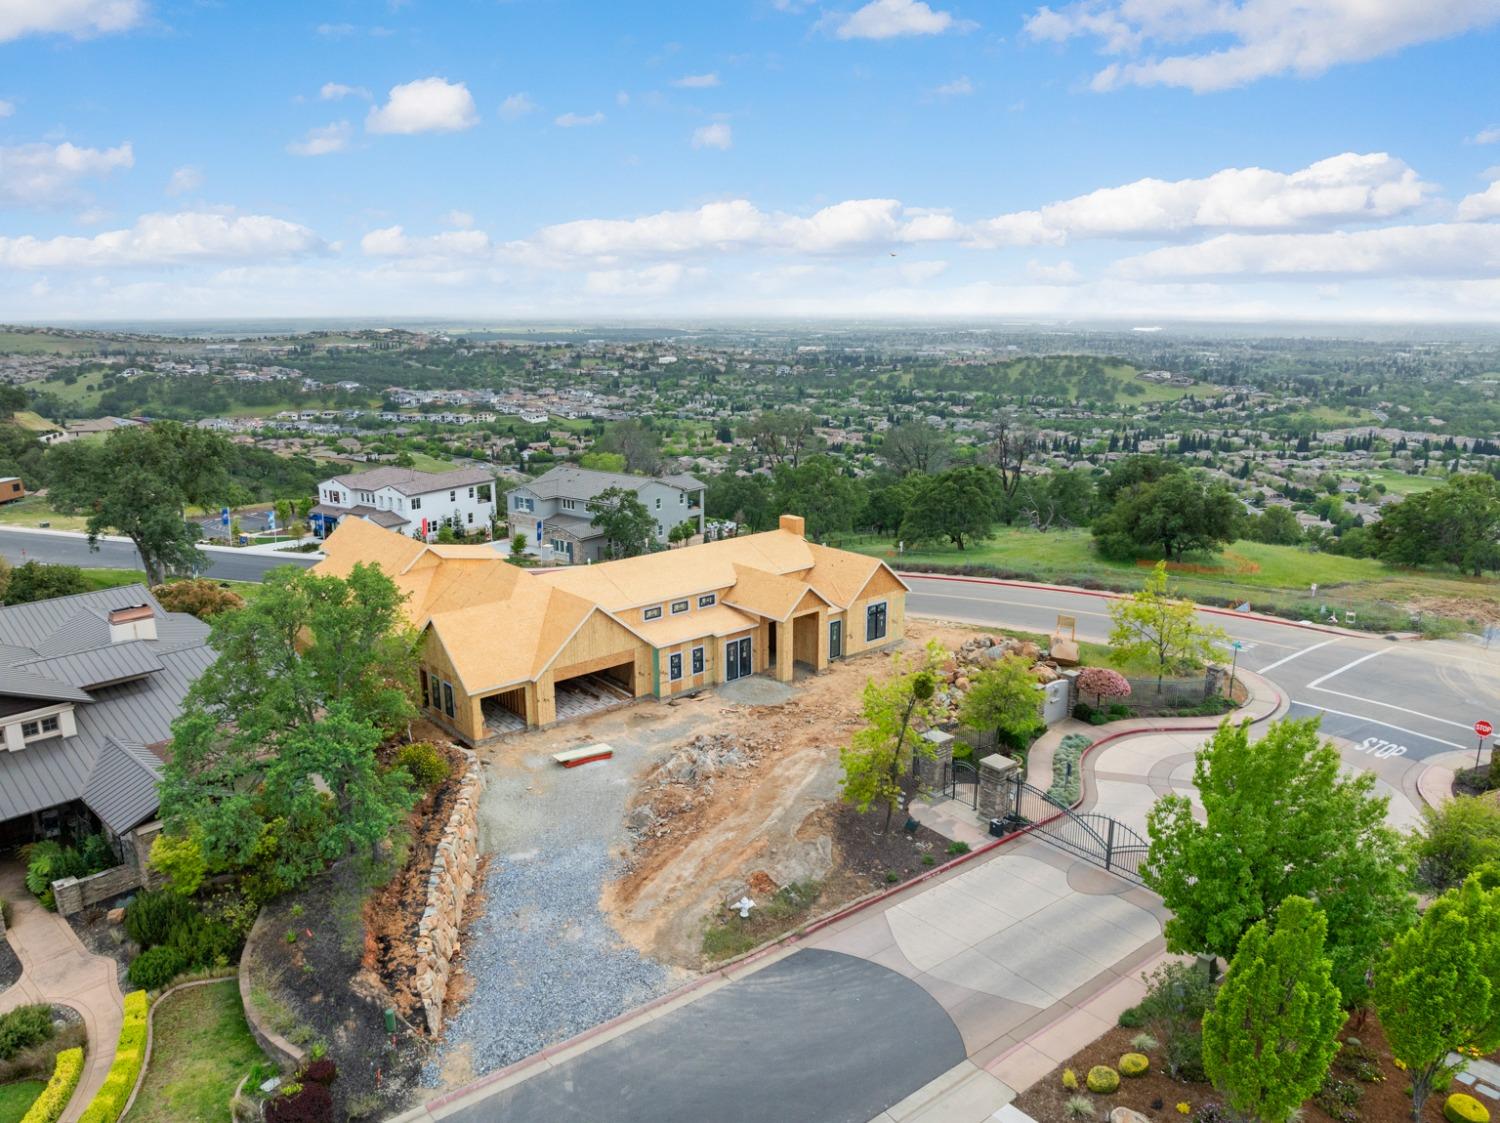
[(961, 781), (1086, 834)]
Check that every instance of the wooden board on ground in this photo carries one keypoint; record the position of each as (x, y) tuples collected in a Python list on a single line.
[(572, 758)]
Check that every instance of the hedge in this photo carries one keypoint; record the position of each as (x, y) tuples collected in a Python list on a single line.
[(59, 1090), (130, 1054)]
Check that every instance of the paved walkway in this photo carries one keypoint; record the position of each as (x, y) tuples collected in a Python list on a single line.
[(57, 968)]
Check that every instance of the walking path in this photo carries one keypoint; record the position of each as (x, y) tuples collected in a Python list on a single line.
[(58, 969)]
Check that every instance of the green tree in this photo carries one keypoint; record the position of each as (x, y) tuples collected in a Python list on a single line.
[(818, 491), (622, 518), (1438, 988), (879, 752), (1272, 1032), (958, 504), (1457, 524), (1280, 819), (1004, 697), (1456, 839), (34, 581), (139, 482), (637, 446), (744, 500), (784, 436), (1277, 526), (916, 446), (597, 461), (1154, 625), (1178, 513)]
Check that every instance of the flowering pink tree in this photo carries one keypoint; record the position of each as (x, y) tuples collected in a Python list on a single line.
[(1103, 683)]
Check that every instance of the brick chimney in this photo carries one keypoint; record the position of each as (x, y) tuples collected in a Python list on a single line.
[(794, 524)]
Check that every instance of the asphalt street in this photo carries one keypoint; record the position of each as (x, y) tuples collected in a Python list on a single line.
[(1397, 698), (18, 546)]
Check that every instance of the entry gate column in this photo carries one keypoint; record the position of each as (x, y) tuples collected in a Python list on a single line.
[(997, 786)]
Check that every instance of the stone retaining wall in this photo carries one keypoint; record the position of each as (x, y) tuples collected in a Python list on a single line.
[(454, 866), (74, 894), (288, 1056)]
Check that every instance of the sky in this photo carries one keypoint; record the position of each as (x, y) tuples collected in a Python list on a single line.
[(1139, 160)]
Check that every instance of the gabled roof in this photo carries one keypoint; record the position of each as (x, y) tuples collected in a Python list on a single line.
[(567, 481), (409, 481), (767, 594), (99, 666), (122, 788)]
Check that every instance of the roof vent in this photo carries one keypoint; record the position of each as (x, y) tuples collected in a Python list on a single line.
[(137, 621)]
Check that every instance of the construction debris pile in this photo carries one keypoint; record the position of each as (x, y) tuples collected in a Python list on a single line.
[(979, 653), (686, 779)]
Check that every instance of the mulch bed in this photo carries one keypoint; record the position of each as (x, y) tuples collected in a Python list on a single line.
[(1156, 1095), (100, 936), (10, 964), (1473, 781), (862, 849)]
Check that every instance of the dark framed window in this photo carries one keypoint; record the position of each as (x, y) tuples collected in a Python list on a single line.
[(698, 661), (652, 613), (30, 729), (875, 622), (448, 698), (708, 600), (674, 667), (679, 606), (49, 725), (426, 697)]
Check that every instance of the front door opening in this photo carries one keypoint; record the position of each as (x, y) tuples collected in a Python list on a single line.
[(737, 660)]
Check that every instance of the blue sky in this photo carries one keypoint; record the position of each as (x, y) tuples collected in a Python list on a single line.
[(1138, 159)]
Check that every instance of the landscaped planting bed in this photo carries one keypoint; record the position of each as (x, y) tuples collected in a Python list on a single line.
[(200, 1049)]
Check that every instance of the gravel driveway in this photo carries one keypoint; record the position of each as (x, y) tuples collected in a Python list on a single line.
[(543, 962)]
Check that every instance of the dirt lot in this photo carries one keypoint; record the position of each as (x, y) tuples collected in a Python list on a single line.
[(763, 817)]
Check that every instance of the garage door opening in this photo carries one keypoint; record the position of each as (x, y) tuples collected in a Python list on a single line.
[(504, 712), (589, 693)]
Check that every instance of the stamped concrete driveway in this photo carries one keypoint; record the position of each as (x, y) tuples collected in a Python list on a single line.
[(817, 1037)]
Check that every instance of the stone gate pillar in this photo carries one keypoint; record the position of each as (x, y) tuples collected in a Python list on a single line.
[(931, 770), (997, 786)]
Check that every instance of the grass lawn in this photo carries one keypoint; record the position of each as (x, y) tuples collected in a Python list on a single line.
[(1270, 578), (16, 1098), (1399, 483), (422, 462), (32, 422), (32, 511), (201, 1048)]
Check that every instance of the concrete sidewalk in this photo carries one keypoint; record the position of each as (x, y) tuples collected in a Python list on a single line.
[(57, 968)]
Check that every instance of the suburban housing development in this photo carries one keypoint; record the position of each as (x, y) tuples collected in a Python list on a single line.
[(505, 649), (89, 688), (409, 501), (553, 509)]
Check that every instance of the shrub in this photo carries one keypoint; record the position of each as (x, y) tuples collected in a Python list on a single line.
[(1066, 778), (424, 764), (958, 848), (155, 967), (1144, 1043), (1102, 1080), (1070, 1080), (24, 1027), (1079, 1107), (49, 860), (1103, 683), (199, 596), (150, 917), (130, 1052), (1461, 1108), (1135, 1064), (320, 1071), (1131, 1018), (1082, 711), (311, 1103), (1176, 997), (47, 1107), (1455, 840), (181, 861)]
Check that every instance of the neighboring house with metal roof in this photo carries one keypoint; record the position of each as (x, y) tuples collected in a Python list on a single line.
[(89, 688), (505, 649), (408, 501), (553, 509)]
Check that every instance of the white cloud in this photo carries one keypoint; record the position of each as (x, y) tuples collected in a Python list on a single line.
[(738, 224), (459, 220), (394, 242), (920, 272), (323, 140), (959, 87), (337, 91), (1484, 204), (428, 105), (1434, 250), (79, 18), (1062, 273), (1266, 37), (1486, 136), (46, 173), (653, 280), (578, 120), (91, 216), (7, 108), (167, 239), (1344, 188), (718, 135), (697, 81), (516, 106), (184, 179), (887, 19)]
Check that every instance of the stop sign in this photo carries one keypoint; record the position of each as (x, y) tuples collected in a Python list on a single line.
[(1483, 728)]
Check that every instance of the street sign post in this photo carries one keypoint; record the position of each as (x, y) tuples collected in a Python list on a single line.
[(1484, 729), (1234, 663)]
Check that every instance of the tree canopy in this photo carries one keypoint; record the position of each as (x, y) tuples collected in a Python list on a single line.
[(877, 753), (1004, 697), (1457, 524), (1177, 513), (958, 504), (1153, 625), (622, 518)]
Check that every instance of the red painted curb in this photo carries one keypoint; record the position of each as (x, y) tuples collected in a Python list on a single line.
[(825, 921), (1105, 594)]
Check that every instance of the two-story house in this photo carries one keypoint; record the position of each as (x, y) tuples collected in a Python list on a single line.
[(553, 509), (408, 501), (89, 688)]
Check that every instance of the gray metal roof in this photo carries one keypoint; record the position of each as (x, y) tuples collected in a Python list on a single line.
[(99, 667), (122, 788), (569, 482), (62, 646)]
